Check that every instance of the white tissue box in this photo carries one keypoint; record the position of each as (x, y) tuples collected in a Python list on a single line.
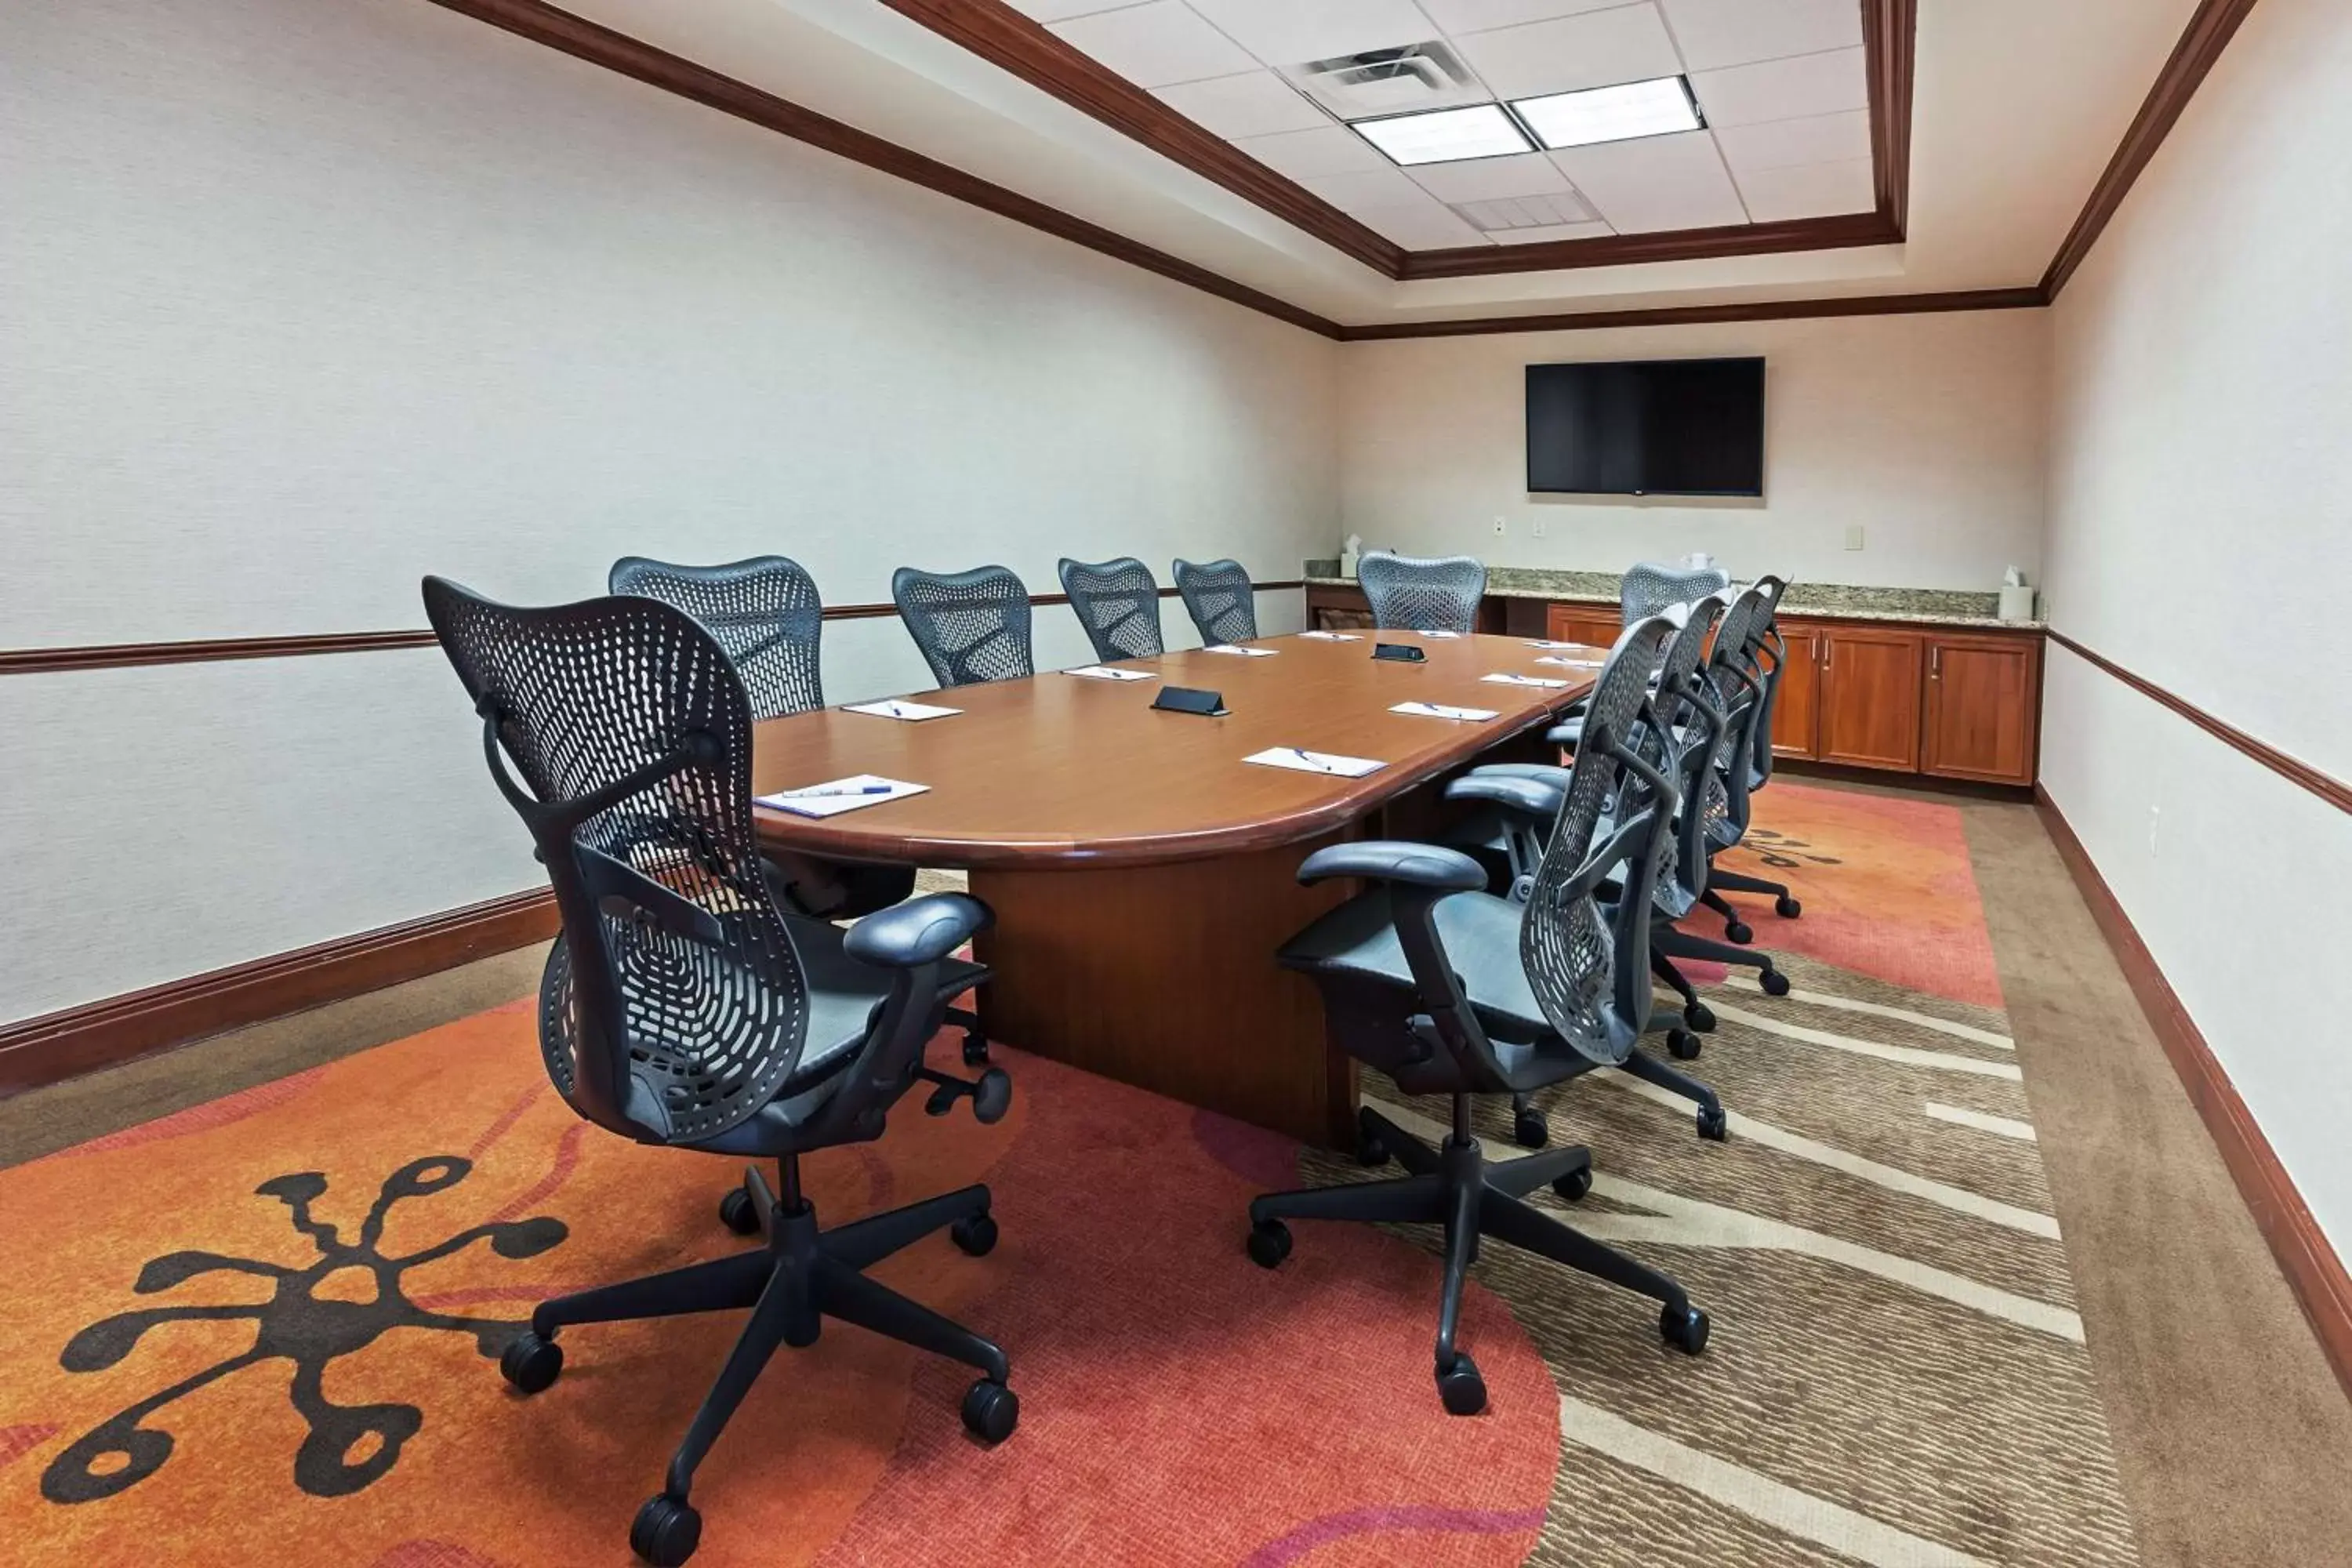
[(2017, 603)]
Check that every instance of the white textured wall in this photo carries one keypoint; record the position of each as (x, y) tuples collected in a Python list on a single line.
[(2201, 535), (302, 298), (1927, 431)]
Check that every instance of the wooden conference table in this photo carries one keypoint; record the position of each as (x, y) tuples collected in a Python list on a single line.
[(1142, 874)]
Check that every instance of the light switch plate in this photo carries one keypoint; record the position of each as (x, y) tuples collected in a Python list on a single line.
[(1501, 527), (1853, 537)]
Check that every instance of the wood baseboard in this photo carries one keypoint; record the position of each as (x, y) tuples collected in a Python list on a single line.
[(55, 1046), (2312, 1269)]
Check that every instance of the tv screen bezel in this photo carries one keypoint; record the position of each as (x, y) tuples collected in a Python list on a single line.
[(1528, 446)]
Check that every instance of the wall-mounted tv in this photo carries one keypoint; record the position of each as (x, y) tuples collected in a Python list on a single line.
[(1671, 427)]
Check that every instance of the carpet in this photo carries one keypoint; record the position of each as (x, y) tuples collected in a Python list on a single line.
[(261, 1328)]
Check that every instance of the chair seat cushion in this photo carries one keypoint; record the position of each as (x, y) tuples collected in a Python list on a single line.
[(1481, 933)]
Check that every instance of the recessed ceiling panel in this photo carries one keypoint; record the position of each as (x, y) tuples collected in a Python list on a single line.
[(1657, 182), (1303, 155), (1531, 174), (1157, 45), (1718, 33), (1784, 143), (1258, 105), (1789, 88), (1808, 190), (1598, 49)]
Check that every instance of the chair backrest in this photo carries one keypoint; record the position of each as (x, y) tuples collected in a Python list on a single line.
[(1119, 603), (764, 613), (1410, 593), (1738, 684), (971, 626), (1769, 652), (1589, 967), (1221, 600), (673, 1003), (1649, 589), (1685, 744)]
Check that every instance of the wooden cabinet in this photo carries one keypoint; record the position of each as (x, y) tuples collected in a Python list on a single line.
[(1870, 696), (1796, 705), (1594, 625), (1983, 695)]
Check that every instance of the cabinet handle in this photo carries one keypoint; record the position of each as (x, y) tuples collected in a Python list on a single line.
[(1936, 663)]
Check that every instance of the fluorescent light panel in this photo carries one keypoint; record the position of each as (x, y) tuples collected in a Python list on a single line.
[(1654, 108), (1446, 135)]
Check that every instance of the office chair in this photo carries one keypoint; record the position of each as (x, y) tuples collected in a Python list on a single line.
[(1513, 827), (971, 626), (1650, 589), (1762, 655), (683, 1007), (1119, 603), (1424, 595), (1453, 991), (764, 614), (1221, 600)]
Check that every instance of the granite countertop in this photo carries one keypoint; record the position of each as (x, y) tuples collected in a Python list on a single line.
[(1936, 606)]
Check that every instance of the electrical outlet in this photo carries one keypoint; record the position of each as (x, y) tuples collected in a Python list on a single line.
[(1853, 537), (1501, 527), (2155, 818), (1537, 528)]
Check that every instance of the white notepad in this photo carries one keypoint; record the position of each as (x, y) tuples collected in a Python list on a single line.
[(1499, 679), (899, 707), (1423, 634), (1333, 637), (1570, 663), (1291, 757), (1440, 710), (1546, 642), (1104, 672), (837, 795), (1244, 652)]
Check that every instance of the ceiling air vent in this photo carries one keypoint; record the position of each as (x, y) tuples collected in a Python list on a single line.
[(1387, 81), (1501, 216)]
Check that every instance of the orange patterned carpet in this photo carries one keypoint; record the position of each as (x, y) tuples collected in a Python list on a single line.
[(260, 1329)]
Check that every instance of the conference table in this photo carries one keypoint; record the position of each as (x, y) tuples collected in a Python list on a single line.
[(1142, 875)]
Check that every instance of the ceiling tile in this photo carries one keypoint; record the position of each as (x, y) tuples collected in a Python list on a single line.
[(1544, 236), (1258, 105), (1291, 32), (1718, 33), (1062, 10), (1810, 190), (1372, 188), (1783, 90), (1485, 179), (1428, 227), (1599, 49), (1656, 183), (1784, 144), (1458, 17), (1156, 44), (1306, 154), (1503, 213)]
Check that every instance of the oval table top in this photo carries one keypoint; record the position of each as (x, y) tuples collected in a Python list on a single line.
[(1058, 770)]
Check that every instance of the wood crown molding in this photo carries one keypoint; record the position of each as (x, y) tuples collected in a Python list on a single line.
[(1028, 49), (2209, 32), (2313, 1271), (55, 1046), (1693, 315), (132, 655), (2295, 770)]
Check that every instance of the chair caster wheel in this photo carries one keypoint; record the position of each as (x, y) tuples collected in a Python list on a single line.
[(1685, 1329), (1775, 984), (1682, 1044), (530, 1363), (1713, 1125), (1573, 1184), (976, 1236), (1269, 1243), (1461, 1387), (991, 1411), (993, 1098), (1369, 1151), (975, 1049), (738, 1210), (1700, 1017), (1737, 933), (1528, 1128), (665, 1531), (1787, 907)]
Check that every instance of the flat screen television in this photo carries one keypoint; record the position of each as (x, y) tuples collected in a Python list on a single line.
[(1671, 427)]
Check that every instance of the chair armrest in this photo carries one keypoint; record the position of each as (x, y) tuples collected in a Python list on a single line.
[(1565, 735), (1388, 860), (1527, 797), (1550, 773), (919, 931)]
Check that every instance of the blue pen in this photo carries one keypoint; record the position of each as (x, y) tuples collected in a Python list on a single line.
[(815, 791)]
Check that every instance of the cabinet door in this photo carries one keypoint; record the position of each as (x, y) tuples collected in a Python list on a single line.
[(1981, 708), (1870, 697), (1586, 624), (1796, 704)]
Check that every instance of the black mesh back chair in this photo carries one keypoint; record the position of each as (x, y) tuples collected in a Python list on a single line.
[(1650, 589), (763, 611), (1451, 990), (682, 1007), (1119, 603), (971, 626), (1759, 657), (1408, 593), (1220, 599)]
